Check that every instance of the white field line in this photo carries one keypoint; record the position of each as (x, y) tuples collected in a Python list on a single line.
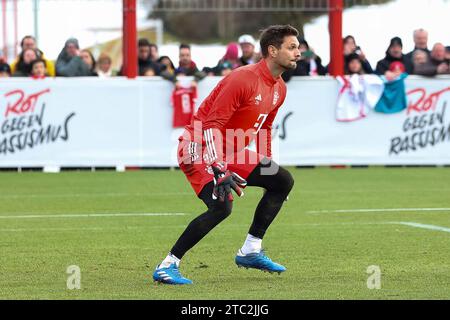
[(90, 195), (380, 210), (306, 225), (423, 226), (126, 228), (92, 215)]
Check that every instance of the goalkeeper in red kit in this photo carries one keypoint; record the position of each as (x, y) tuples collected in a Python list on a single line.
[(213, 153)]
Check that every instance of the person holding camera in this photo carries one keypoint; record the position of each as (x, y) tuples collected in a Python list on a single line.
[(350, 48)]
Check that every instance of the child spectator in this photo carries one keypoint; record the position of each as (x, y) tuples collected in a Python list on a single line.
[(38, 69), (396, 69), (104, 69), (149, 72), (353, 64), (5, 70)]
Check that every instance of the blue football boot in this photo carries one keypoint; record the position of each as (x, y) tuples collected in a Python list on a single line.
[(169, 275), (258, 261)]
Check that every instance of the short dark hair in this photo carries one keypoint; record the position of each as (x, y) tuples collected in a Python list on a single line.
[(4, 67), (274, 36), (148, 68), (185, 46), (142, 42), (348, 38), (38, 60), (26, 37)]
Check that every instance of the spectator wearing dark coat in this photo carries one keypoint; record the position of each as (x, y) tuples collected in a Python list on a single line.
[(5, 69), (69, 62), (438, 59), (351, 48), (353, 65), (145, 61), (229, 61), (186, 67), (309, 64), (394, 53)]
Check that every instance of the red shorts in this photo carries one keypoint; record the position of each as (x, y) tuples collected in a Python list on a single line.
[(200, 174)]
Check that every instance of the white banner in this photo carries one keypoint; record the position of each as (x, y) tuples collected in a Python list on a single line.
[(310, 135), (81, 122)]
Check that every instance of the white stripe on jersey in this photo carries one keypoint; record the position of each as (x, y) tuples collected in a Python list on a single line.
[(210, 144)]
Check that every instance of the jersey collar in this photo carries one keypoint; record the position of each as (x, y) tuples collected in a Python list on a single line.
[(267, 75)]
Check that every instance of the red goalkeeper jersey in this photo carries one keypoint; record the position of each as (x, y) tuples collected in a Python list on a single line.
[(242, 108)]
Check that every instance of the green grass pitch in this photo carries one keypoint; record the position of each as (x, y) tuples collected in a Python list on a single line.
[(326, 252)]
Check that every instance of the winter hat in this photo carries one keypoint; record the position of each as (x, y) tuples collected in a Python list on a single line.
[(72, 41), (232, 52), (246, 38), (395, 41)]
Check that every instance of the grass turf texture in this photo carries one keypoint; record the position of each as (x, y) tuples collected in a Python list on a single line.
[(326, 254)]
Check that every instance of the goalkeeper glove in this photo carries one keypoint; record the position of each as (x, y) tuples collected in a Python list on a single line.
[(224, 181)]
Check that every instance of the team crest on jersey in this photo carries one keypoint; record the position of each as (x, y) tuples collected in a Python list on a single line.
[(258, 99), (276, 96)]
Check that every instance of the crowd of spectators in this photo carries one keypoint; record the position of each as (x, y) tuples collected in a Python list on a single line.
[(73, 62), (420, 61)]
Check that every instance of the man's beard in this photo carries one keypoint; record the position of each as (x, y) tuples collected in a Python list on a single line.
[(290, 66)]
